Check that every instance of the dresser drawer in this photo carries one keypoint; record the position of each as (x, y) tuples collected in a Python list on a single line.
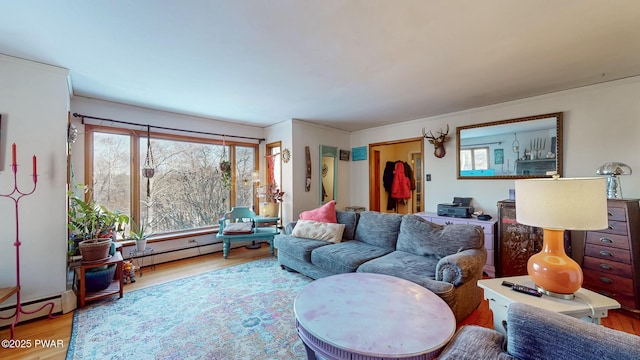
[(616, 214), (607, 267), (488, 242), (490, 258), (486, 227), (609, 282), (608, 253), (623, 298), (613, 240), (616, 227)]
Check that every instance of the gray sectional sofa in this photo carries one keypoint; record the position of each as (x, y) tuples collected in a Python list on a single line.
[(534, 333), (446, 260)]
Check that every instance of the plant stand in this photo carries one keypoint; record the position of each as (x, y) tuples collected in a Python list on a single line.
[(116, 286), (6, 293), (140, 255)]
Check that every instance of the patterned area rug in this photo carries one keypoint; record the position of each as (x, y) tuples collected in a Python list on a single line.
[(239, 312)]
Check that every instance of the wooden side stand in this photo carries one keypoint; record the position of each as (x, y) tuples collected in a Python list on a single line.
[(116, 286)]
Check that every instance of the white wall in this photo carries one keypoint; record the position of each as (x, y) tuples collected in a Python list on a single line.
[(307, 134), (34, 103), (601, 124)]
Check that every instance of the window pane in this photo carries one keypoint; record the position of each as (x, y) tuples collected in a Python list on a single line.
[(466, 162), (112, 171), (481, 159), (245, 164), (189, 189)]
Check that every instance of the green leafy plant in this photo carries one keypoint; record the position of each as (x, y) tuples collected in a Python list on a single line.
[(138, 232), (225, 169), (88, 220)]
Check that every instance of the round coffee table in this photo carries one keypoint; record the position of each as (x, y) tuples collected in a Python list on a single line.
[(372, 316)]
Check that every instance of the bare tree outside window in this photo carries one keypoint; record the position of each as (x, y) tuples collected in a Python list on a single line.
[(187, 191), (111, 184), (245, 165)]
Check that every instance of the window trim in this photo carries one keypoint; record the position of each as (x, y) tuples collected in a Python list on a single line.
[(136, 137)]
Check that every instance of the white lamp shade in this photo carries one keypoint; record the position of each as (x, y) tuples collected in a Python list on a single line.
[(562, 203)]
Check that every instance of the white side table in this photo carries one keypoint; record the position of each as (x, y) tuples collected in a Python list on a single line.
[(587, 305)]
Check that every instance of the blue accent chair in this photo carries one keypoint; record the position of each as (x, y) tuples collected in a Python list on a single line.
[(250, 232)]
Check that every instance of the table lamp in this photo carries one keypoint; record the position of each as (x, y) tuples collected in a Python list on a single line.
[(557, 205), (613, 169)]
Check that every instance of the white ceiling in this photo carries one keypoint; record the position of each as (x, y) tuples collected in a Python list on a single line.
[(348, 64)]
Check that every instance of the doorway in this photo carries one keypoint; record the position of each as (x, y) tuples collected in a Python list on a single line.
[(383, 160)]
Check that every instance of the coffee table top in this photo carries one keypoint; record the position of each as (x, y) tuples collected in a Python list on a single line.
[(374, 315)]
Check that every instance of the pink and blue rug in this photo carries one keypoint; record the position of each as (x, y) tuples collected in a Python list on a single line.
[(239, 312)]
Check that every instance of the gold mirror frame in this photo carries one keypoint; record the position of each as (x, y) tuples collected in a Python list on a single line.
[(508, 145)]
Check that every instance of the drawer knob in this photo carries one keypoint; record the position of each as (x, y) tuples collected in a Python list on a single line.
[(606, 240), (606, 280), (609, 227), (606, 266), (609, 213), (605, 253)]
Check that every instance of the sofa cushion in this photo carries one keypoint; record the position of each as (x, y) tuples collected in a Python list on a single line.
[(346, 256), (421, 237), (379, 229), (325, 213), (418, 269), (298, 248), (318, 230), (238, 228), (350, 220)]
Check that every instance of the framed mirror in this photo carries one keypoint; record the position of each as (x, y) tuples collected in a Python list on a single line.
[(527, 147), (328, 172)]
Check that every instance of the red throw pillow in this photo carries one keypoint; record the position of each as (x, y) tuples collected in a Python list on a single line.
[(325, 213)]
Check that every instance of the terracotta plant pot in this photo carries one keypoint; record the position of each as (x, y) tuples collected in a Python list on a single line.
[(95, 249)]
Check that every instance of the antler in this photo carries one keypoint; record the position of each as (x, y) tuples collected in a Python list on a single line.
[(428, 136), (445, 134)]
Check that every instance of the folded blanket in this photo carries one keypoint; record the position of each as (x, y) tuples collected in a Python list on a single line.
[(238, 228)]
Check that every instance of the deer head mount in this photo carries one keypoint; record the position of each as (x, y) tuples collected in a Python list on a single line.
[(438, 142)]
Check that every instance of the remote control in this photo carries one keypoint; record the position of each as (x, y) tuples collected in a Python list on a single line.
[(526, 290), (507, 284)]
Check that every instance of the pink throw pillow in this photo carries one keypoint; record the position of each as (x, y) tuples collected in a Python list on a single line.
[(325, 213)]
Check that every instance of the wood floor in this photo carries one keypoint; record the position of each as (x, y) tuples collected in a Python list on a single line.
[(58, 331)]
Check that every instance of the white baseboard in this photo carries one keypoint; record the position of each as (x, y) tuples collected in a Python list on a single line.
[(10, 310)]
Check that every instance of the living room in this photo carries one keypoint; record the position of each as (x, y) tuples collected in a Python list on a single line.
[(600, 125)]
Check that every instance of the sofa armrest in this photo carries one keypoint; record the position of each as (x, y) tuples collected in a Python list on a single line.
[(461, 267), (288, 229), (473, 342), (535, 333)]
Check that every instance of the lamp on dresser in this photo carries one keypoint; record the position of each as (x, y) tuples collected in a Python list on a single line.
[(556, 205), (613, 170)]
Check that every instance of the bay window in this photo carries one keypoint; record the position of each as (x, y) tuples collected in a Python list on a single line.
[(191, 187)]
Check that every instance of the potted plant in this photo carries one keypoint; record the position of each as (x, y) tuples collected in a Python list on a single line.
[(94, 225), (138, 234), (270, 199)]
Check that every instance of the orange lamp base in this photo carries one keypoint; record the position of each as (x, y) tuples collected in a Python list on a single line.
[(553, 272)]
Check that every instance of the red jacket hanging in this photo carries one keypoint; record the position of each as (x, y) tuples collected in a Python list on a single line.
[(401, 187)]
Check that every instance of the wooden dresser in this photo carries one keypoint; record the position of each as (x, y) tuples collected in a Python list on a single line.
[(516, 242), (611, 263), (489, 228)]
